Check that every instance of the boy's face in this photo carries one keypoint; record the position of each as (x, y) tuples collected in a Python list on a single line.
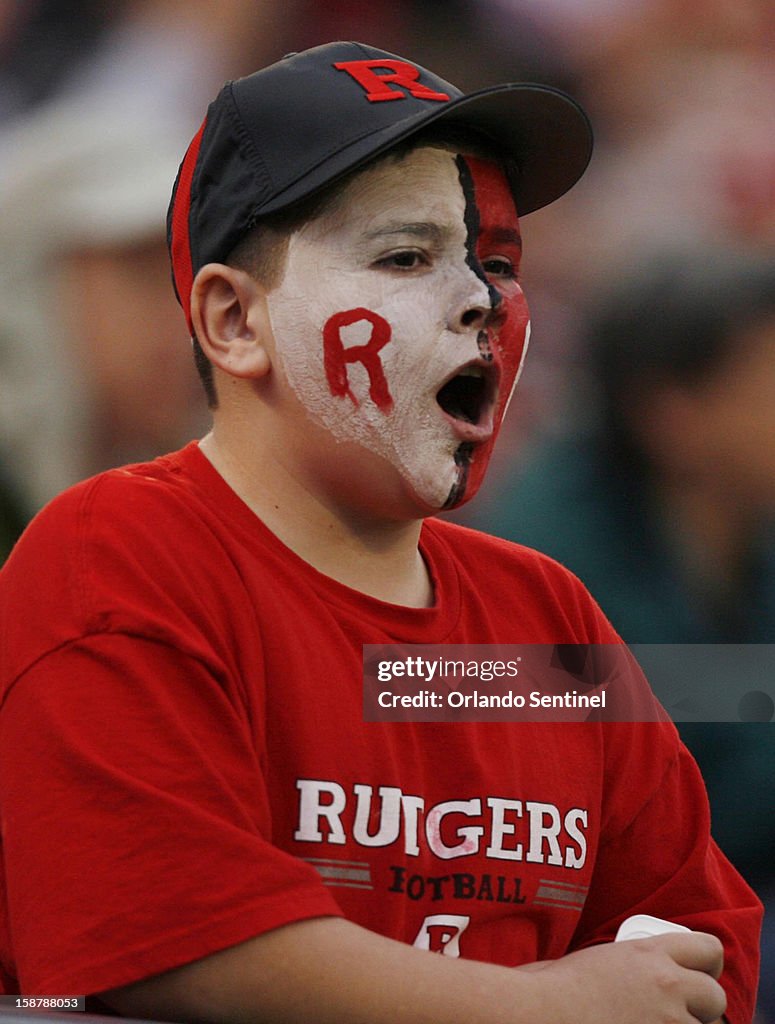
[(400, 323)]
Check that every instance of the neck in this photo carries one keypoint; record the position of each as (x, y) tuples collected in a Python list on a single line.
[(376, 557)]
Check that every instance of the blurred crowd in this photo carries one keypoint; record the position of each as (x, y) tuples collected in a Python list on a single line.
[(640, 447)]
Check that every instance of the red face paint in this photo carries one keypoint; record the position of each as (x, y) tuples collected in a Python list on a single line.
[(493, 237), (336, 356)]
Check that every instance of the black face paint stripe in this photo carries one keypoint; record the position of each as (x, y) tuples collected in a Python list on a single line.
[(472, 223), (463, 455), (485, 348)]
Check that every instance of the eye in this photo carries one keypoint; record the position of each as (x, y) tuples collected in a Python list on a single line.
[(500, 266), (403, 260)]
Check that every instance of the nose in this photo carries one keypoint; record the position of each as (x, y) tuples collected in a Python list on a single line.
[(473, 307)]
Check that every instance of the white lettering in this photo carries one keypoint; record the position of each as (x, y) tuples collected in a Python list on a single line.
[(311, 810), (441, 933), (389, 818), (551, 836), (470, 834), (501, 828), (541, 833), (573, 818), (412, 806)]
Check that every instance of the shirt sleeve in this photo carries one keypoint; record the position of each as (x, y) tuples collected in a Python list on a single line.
[(137, 828), (657, 857)]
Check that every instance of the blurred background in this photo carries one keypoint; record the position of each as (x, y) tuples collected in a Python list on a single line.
[(640, 446)]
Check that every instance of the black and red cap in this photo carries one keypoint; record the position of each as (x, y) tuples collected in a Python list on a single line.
[(278, 136)]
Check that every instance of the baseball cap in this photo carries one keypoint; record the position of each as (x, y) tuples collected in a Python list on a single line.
[(283, 133)]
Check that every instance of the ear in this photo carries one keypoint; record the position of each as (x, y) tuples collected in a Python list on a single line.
[(231, 320)]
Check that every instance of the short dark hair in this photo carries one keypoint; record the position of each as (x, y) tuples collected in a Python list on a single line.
[(261, 251)]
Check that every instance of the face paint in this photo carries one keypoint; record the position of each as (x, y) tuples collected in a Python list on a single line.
[(493, 234), (336, 356), (385, 323)]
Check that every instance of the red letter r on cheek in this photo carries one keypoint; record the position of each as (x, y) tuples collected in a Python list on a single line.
[(336, 356)]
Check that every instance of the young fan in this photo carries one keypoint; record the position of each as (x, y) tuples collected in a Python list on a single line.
[(198, 825)]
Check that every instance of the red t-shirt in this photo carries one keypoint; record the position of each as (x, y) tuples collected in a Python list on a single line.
[(185, 763)]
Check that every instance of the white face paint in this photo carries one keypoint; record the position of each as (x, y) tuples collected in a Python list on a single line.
[(385, 300)]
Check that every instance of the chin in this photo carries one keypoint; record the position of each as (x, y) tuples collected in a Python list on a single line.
[(470, 466), (447, 492)]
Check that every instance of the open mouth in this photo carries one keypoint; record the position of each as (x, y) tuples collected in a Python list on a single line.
[(469, 395)]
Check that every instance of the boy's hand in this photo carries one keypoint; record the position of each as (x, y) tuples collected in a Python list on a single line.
[(670, 977)]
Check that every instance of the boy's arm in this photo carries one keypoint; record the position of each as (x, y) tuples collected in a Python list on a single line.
[(657, 857), (331, 971)]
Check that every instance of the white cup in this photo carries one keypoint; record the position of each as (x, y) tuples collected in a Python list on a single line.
[(642, 926)]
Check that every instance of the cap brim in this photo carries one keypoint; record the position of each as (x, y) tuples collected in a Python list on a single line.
[(546, 134)]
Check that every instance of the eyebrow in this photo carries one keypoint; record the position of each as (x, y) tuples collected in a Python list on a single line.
[(418, 229), (504, 236), (501, 235)]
